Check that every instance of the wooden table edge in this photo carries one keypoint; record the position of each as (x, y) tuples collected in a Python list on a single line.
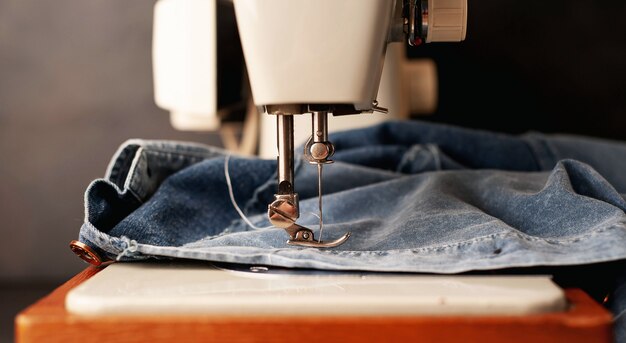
[(583, 320)]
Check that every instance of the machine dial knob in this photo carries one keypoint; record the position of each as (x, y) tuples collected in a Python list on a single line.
[(446, 20)]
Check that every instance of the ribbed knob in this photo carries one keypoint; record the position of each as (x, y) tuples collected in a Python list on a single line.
[(447, 20)]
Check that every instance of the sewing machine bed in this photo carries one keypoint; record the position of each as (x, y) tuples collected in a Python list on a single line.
[(583, 320), (203, 288)]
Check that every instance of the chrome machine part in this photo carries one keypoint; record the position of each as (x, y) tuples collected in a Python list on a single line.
[(284, 211), (318, 150), (416, 28), (412, 24), (284, 129), (301, 236), (379, 109), (429, 21)]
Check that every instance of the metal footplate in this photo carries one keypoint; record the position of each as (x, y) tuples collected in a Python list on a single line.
[(301, 236)]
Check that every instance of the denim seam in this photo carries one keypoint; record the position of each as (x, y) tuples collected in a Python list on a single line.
[(110, 184), (149, 145), (146, 250), (184, 154), (223, 253), (121, 165), (132, 171), (619, 225), (110, 241), (121, 155), (138, 188), (114, 173), (86, 204), (173, 147)]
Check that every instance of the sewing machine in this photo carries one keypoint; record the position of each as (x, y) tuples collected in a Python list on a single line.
[(320, 58)]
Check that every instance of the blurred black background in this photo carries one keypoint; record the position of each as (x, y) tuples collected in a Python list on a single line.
[(551, 66), (76, 81)]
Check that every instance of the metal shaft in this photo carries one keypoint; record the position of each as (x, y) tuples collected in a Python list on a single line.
[(319, 199), (284, 125), (320, 150), (320, 126)]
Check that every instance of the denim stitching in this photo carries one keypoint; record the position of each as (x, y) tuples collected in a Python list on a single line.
[(619, 225)]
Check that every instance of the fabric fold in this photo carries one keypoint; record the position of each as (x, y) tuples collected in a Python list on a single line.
[(417, 197)]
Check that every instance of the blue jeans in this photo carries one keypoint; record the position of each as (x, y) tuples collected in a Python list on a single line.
[(417, 197)]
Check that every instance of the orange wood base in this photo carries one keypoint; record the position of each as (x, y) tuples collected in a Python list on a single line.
[(48, 321)]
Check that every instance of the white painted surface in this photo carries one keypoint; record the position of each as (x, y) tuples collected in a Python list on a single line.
[(140, 288), (185, 62), (390, 96), (313, 52)]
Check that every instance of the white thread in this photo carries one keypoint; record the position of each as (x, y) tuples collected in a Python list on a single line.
[(131, 246), (314, 214), (232, 197)]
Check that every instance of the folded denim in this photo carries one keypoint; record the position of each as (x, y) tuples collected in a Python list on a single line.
[(417, 197)]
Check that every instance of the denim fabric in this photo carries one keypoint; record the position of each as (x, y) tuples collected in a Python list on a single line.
[(417, 197)]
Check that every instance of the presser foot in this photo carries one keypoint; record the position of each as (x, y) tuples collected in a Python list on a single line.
[(283, 214), (301, 236)]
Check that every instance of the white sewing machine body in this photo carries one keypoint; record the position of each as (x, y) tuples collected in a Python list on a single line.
[(321, 52), (299, 53), (327, 51)]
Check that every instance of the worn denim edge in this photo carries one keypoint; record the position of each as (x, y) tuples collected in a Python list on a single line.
[(435, 261), (159, 146), (115, 160), (426, 256), (88, 230)]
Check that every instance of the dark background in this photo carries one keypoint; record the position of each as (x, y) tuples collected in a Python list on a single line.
[(76, 81), (551, 66)]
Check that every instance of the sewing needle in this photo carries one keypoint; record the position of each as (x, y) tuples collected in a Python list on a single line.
[(319, 197)]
